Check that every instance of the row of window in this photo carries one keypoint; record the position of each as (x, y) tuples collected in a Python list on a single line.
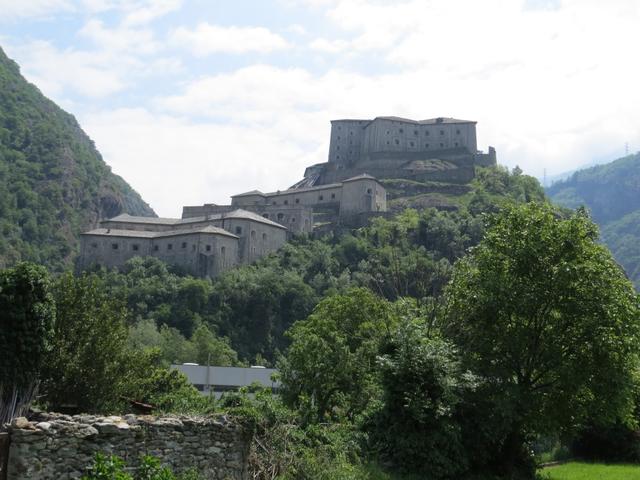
[(426, 145), (297, 200), (136, 247), (416, 132)]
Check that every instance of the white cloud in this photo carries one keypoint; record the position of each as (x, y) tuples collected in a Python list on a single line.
[(329, 46), (172, 161), (54, 71), (15, 9), (207, 39), (120, 39)]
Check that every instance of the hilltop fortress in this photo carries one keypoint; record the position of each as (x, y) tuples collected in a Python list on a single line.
[(210, 239)]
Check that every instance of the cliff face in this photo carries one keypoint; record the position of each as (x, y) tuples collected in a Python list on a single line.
[(53, 182)]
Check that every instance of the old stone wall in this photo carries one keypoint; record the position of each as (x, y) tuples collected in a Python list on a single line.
[(54, 446)]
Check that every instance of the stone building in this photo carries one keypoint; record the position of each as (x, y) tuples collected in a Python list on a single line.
[(202, 246), (437, 149), (300, 208)]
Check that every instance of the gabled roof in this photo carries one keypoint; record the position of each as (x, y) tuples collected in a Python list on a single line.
[(429, 121), (113, 232), (247, 215), (125, 217), (362, 176), (247, 194)]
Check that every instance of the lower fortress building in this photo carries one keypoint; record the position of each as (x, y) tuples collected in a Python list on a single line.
[(210, 238)]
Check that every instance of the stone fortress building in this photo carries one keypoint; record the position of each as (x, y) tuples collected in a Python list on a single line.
[(210, 238), (437, 149)]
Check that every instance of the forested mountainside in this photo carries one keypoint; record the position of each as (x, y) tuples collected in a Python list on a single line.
[(53, 182), (612, 193)]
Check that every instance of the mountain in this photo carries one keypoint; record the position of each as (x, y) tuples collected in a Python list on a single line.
[(612, 193), (53, 182)]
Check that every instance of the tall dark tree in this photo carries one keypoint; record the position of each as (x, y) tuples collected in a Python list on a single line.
[(26, 315)]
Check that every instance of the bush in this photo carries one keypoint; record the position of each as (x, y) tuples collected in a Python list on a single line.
[(150, 468)]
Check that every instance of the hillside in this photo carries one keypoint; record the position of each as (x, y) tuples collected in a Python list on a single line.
[(612, 194), (53, 182)]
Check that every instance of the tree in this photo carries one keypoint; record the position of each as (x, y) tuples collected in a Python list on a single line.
[(329, 370), (87, 362), (545, 316), (26, 314)]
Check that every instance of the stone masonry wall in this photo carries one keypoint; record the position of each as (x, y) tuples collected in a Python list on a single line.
[(54, 446)]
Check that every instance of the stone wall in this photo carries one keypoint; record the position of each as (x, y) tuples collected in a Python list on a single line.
[(54, 446)]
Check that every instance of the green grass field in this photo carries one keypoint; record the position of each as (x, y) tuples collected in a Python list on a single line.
[(591, 471)]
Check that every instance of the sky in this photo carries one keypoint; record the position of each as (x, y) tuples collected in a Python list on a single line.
[(191, 101)]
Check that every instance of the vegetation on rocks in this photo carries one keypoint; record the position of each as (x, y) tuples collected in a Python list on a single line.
[(53, 182)]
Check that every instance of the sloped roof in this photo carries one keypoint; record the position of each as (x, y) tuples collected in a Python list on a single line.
[(112, 232), (125, 217), (247, 215), (362, 176), (247, 194), (429, 121)]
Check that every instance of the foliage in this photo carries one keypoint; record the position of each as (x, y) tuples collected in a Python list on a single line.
[(53, 182), (150, 468), (26, 314), (329, 371), (548, 319), (612, 194), (417, 429), (90, 367)]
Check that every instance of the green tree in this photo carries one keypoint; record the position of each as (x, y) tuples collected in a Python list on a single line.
[(545, 316), (26, 314), (87, 363), (329, 370)]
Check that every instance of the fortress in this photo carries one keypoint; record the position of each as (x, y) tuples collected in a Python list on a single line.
[(210, 239)]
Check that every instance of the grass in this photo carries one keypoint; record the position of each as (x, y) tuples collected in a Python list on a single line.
[(590, 471)]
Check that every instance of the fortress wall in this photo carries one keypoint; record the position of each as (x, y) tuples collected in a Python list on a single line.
[(345, 141), (61, 447)]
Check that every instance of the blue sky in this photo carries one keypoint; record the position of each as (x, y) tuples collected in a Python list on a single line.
[(194, 100)]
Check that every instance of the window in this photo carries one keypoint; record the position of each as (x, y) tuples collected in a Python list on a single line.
[(388, 132), (184, 244), (274, 203), (264, 236), (253, 234), (223, 250), (280, 216), (208, 248), (135, 247), (297, 200), (401, 130), (456, 144), (94, 245), (369, 191), (351, 132), (338, 147), (321, 197), (387, 142), (411, 143), (426, 145), (265, 215), (337, 157), (441, 145), (293, 219), (441, 132), (333, 195), (458, 132), (415, 132), (427, 133), (169, 246), (238, 230), (339, 127), (114, 246), (350, 142), (338, 137), (397, 142), (286, 202), (156, 248)]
